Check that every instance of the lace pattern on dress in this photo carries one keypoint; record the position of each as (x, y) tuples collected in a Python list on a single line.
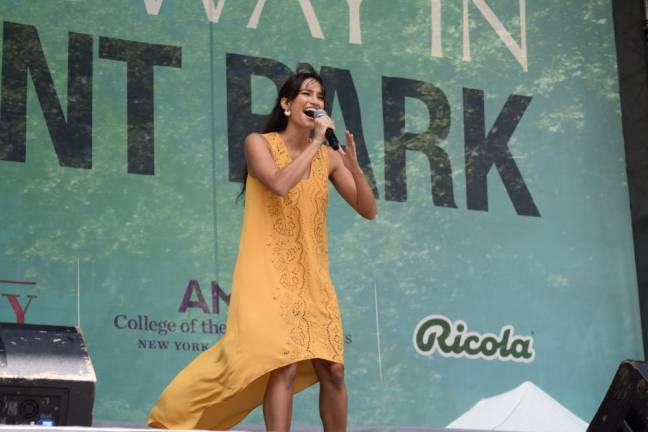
[(320, 201), (286, 253), (289, 235)]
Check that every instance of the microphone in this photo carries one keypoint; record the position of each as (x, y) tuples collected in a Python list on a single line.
[(331, 139)]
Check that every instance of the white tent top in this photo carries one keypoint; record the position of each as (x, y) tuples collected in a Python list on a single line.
[(526, 408)]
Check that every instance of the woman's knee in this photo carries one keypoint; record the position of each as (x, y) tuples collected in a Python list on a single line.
[(286, 374), (334, 374)]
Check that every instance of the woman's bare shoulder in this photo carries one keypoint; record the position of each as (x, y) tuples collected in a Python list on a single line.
[(255, 136), (256, 140)]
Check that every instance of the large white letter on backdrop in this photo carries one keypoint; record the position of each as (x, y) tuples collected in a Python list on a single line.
[(153, 6), (212, 11), (518, 51), (307, 9), (437, 50), (355, 35)]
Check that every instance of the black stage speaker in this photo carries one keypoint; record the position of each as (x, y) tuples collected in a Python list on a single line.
[(625, 407), (46, 376)]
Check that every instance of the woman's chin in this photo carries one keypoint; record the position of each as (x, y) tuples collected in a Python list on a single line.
[(305, 123)]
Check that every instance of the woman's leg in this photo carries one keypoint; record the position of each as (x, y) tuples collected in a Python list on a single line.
[(333, 395), (277, 402)]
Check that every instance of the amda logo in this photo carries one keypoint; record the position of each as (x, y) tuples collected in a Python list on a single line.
[(438, 333), (217, 295)]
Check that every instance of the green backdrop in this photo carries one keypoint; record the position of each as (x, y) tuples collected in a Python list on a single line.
[(500, 178)]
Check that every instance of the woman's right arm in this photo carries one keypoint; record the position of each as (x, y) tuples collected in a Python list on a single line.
[(262, 166)]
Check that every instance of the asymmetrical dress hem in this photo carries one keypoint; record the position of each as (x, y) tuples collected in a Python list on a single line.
[(283, 307)]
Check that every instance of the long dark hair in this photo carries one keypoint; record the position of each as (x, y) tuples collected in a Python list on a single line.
[(277, 120)]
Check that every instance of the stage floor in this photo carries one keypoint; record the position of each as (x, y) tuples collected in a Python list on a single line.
[(243, 428)]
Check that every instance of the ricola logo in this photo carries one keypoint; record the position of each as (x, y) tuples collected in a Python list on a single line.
[(438, 333)]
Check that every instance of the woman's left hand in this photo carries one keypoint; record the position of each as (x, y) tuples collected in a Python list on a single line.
[(349, 155), (349, 179)]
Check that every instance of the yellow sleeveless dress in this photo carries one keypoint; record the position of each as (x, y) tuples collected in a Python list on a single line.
[(283, 307)]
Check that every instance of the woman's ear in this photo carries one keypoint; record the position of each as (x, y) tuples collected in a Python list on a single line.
[(284, 103)]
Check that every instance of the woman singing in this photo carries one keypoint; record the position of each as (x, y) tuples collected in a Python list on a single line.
[(284, 331)]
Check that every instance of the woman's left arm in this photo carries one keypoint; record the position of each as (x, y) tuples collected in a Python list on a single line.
[(349, 180)]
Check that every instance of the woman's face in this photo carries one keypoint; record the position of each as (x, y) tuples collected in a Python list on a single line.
[(309, 97)]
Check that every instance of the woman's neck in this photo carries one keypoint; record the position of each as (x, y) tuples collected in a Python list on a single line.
[(295, 138)]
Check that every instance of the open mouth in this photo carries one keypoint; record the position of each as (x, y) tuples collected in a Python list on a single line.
[(310, 112)]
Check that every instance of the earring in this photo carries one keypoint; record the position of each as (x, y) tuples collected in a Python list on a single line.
[(287, 112)]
